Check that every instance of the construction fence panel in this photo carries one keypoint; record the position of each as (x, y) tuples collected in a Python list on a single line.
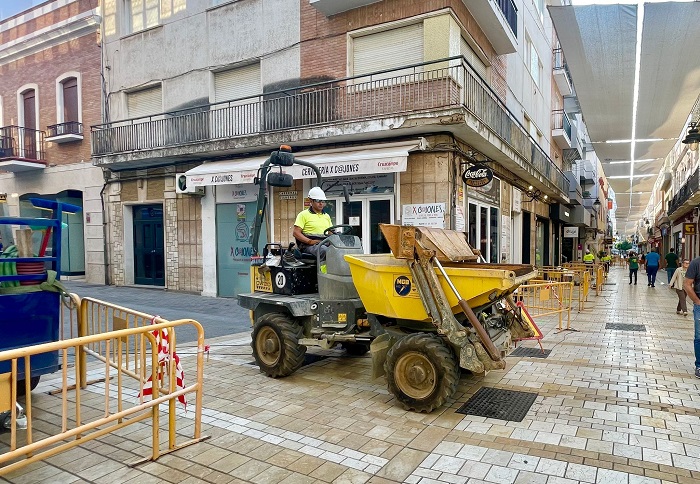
[(546, 298), (130, 395)]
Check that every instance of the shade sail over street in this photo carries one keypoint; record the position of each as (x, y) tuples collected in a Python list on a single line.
[(604, 48)]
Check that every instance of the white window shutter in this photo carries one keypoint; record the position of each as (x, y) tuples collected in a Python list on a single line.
[(467, 52), (145, 103), (237, 83), (388, 49)]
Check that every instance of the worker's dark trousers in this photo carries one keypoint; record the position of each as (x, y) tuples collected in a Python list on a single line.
[(633, 271)]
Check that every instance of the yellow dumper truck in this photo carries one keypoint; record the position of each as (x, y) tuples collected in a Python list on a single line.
[(424, 311)]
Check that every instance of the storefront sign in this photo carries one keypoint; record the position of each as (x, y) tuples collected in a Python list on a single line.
[(505, 238), (424, 215), (490, 193), (379, 183), (238, 193), (571, 232), (689, 229), (517, 200), (288, 195), (477, 176)]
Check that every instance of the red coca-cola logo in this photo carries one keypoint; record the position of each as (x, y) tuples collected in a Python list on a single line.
[(477, 176)]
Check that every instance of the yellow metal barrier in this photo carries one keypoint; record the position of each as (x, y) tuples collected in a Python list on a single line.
[(580, 277), (544, 298), (124, 402)]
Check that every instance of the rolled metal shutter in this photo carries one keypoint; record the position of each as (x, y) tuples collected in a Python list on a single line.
[(145, 103), (475, 61), (388, 49), (237, 83)]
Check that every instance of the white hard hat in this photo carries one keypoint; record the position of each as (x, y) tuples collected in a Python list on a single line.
[(317, 194)]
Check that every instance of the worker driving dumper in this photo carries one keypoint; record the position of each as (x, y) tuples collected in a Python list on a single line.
[(311, 224)]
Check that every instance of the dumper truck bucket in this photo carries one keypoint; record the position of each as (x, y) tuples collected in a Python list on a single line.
[(448, 245)]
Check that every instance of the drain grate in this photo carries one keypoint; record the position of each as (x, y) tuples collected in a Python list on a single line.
[(309, 358), (524, 352), (501, 404), (626, 327)]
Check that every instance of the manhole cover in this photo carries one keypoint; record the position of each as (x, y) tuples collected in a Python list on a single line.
[(500, 404), (309, 358), (626, 327), (523, 352)]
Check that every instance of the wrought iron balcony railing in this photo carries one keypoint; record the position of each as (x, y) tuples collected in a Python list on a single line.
[(445, 83), (560, 120), (685, 192), (17, 142), (71, 127), (510, 11)]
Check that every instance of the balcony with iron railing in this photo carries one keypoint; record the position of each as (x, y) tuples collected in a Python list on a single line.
[(498, 20), (687, 197), (21, 149), (65, 132), (562, 77), (419, 92), (561, 129)]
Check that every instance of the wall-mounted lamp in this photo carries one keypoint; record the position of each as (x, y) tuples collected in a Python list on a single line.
[(596, 204), (692, 139), (682, 240)]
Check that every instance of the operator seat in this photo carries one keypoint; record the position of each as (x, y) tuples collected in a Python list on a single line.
[(336, 282)]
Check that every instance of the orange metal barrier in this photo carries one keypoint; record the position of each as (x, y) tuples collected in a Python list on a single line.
[(139, 348), (545, 298)]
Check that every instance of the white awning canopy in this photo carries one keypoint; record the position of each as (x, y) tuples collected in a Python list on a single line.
[(359, 160)]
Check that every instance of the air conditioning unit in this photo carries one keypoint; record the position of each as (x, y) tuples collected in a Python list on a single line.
[(181, 186)]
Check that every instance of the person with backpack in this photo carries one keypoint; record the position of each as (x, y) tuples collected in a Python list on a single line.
[(634, 266)]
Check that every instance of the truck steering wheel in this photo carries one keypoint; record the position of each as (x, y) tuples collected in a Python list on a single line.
[(331, 230)]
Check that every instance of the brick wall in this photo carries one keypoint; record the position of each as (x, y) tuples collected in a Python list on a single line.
[(43, 68), (324, 39)]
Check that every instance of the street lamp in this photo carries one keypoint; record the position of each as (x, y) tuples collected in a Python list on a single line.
[(693, 137)]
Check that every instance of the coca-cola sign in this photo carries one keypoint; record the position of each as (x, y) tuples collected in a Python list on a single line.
[(477, 176)]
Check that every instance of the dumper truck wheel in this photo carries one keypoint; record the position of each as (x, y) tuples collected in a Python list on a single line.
[(421, 372), (276, 345)]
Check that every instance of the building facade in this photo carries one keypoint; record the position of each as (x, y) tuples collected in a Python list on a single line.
[(49, 91), (392, 99)]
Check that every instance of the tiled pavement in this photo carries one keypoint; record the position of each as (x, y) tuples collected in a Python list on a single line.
[(613, 407)]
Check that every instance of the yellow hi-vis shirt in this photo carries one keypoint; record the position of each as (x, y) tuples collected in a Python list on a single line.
[(589, 258), (312, 223)]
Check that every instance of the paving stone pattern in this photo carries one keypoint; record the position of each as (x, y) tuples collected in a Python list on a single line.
[(613, 407)]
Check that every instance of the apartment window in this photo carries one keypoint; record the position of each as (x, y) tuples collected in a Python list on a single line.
[(389, 49), (534, 63), (539, 5), (141, 14), (2, 120), (146, 102), (28, 118)]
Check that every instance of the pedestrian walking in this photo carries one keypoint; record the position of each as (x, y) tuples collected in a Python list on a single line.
[(671, 263), (652, 265), (691, 284), (676, 283), (634, 266), (643, 261)]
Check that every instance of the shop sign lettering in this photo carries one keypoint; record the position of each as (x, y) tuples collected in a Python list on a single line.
[(424, 215), (477, 176)]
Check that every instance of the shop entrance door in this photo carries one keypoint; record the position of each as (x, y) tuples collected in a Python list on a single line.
[(234, 222), (365, 215), (483, 230), (149, 260)]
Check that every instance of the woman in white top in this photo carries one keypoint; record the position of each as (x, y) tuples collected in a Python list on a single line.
[(677, 284)]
